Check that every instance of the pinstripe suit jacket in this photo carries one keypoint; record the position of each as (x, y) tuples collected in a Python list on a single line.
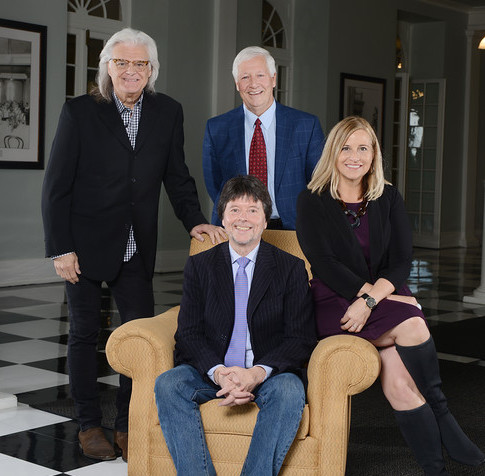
[(299, 145), (280, 311)]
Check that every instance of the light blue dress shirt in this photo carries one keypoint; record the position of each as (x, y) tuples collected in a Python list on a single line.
[(268, 127)]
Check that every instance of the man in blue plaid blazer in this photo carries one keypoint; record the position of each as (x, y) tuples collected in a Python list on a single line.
[(294, 139)]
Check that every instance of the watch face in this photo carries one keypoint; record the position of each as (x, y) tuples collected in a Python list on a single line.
[(371, 302)]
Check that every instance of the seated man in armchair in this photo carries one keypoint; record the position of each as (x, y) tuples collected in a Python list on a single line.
[(245, 333)]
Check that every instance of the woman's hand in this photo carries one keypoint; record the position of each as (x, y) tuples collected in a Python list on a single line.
[(356, 316)]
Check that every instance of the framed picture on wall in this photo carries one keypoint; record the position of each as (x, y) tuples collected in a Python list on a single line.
[(22, 94), (363, 96)]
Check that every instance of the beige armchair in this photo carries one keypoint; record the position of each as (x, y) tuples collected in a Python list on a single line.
[(340, 366)]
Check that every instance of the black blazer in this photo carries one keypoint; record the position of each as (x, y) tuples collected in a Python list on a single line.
[(96, 186), (280, 311), (335, 255)]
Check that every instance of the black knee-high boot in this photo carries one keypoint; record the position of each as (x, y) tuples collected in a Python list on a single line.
[(422, 363), (421, 432)]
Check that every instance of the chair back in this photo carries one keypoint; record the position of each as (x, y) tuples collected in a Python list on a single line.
[(283, 239)]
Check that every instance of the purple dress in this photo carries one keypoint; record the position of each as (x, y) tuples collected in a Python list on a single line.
[(330, 307)]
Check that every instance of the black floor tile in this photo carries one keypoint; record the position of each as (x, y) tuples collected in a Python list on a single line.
[(12, 317), (58, 450), (58, 365), (60, 339), (44, 395), (4, 363), (9, 302), (6, 338)]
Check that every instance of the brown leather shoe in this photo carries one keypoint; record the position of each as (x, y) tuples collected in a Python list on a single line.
[(93, 444), (121, 444)]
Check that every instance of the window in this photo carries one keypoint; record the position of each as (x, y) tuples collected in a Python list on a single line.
[(274, 37), (273, 29), (90, 24)]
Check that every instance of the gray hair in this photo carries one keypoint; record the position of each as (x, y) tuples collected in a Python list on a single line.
[(131, 37), (249, 53)]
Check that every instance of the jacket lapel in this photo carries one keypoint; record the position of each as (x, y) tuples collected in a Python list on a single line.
[(345, 230), (376, 233), (109, 115), (264, 274), (283, 138), (149, 112), (224, 282), (236, 131)]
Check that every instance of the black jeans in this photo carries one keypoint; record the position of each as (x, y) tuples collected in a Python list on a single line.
[(133, 294)]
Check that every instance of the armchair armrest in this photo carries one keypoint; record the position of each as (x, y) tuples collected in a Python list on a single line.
[(340, 366), (143, 348)]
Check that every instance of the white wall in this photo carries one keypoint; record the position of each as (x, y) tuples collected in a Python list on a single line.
[(21, 233), (330, 37)]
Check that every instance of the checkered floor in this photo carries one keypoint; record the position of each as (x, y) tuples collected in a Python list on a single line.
[(33, 350), (33, 337)]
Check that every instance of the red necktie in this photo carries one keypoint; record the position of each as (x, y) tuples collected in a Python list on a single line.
[(257, 155)]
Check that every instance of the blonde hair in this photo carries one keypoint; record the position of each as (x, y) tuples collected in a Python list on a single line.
[(326, 175)]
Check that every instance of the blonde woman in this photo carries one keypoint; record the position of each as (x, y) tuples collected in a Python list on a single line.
[(353, 228)]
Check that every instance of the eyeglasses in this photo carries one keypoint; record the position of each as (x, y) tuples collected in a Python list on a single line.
[(138, 65)]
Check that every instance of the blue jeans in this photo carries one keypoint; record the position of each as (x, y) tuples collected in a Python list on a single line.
[(180, 391)]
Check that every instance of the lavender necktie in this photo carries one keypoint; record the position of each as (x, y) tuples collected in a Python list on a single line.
[(236, 353)]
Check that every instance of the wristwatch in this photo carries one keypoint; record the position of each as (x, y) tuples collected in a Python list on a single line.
[(369, 300)]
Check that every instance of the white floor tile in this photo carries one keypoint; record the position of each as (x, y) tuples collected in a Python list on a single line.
[(110, 380), (456, 358), (31, 351), (17, 379), (107, 468), (24, 418), (17, 467), (453, 316), (49, 293), (38, 330), (445, 305)]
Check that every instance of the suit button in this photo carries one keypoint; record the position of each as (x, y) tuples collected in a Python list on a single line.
[(133, 180), (132, 204)]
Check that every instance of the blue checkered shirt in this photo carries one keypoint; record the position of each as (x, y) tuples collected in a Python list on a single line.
[(131, 119)]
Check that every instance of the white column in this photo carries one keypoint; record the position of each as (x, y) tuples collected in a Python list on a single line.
[(478, 296), (470, 138), (224, 51)]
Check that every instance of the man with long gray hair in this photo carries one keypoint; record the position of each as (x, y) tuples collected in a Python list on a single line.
[(112, 151)]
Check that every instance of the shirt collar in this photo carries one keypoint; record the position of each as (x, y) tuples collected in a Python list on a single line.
[(121, 107), (266, 118), (251, 255)]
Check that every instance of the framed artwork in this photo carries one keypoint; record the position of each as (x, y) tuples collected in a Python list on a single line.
[(22, 94), (365, 97)]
